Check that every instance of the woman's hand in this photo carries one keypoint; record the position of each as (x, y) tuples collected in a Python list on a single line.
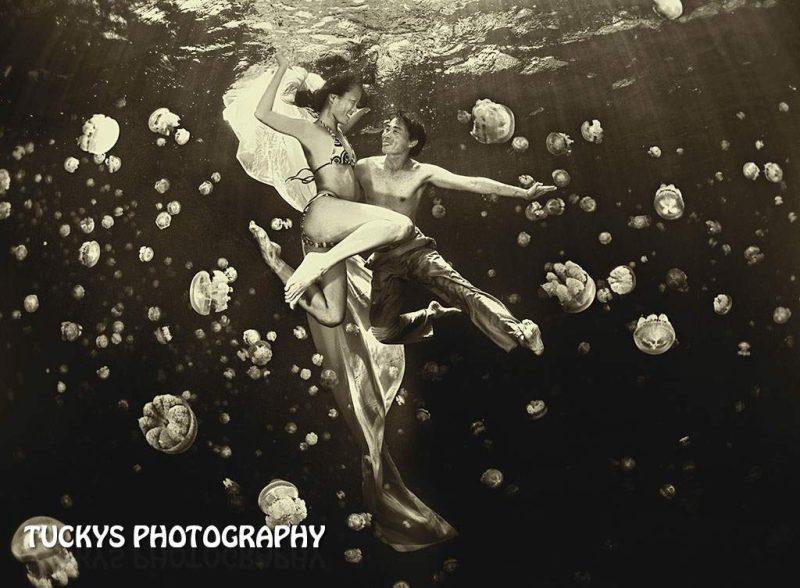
[(283, 61)]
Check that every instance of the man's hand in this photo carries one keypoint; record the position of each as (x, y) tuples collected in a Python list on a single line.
[(538, 189)]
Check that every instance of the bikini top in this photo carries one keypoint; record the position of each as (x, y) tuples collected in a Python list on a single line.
[(340, 155)]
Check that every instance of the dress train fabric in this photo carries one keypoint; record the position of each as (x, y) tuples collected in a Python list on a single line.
[(368, 372)]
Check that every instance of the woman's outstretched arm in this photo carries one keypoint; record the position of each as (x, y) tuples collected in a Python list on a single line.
[(264, 111)]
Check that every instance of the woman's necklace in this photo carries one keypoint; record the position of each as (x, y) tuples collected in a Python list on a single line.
[(327, 128)]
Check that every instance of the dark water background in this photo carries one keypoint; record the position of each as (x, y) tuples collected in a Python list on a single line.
[(576, 518)]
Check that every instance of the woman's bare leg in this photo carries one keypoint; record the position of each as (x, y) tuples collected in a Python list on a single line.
[(357, 227), (325, 302)]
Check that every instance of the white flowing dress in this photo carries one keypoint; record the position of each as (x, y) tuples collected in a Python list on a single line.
[(369, 372)]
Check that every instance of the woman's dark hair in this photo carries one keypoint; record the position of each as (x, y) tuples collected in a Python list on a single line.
[(336, 85), (415, 128)]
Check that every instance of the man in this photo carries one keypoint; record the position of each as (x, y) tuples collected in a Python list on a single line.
[(398, 182)]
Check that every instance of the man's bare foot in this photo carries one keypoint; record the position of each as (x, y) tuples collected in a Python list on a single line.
[(531, 336), (313, 267), (270, 251), (436, 310)]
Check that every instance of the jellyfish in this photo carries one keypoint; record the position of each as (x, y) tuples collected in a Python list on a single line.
[(359, 521), (592, 131), (423, 415), (100, 134), (161, 186), (627, 464), (250, 337), (312, 439), (654, 335), (328, 379), (519, 144), (169, 424), (353, 555), (654, 152), (622, 280), (174, 207), (668, 202), (19, 251), (216, 177), (163, 220), (87, 225), (205, 188), (281, 502), (669, 9), (604, 238), (492, 478), (261, 353), (526, 181), (677, 279), (107, 221), (555, 206), (558, 143), (5, 181), (492, 122), (713, 227), (231, 274), (743, 349), (753, 255), (587, 204), (162, 121), (523, 239), (781, 315), (208, 293), (44, 564), (438, 211), (750, 170), (31, 303), (641, 221), (773, 172), (536, 409), (534, 211), (89, 253), (561, 178), (113, 164), (5, 210), (300, 333), (723, 304), (182, 136), (146, 254), (463, 117), (574, 288)]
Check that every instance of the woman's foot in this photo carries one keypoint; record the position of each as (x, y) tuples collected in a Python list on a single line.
[(270, 251), (436, 310), (313, 267), (530, 336)]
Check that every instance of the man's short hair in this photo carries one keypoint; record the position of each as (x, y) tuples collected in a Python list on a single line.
[(415, 128)]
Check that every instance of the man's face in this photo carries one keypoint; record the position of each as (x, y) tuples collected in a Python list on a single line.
[(394, 140)]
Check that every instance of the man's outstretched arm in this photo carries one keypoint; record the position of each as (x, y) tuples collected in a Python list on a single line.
[(442, 178)]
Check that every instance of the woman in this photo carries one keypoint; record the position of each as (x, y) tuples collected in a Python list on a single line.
[(332, 214), (368, 373)]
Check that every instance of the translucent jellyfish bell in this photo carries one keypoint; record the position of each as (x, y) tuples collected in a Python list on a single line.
[(207, 293), (654, 335), (100, 134), (622, 280), (71, 164), (668, 202), (773, 172), (669, 9), (182, 136), (561, 178), (260, 353), (89, 253), (558, 143), (162, 121), (169, 424), (592, 131), (5, 181), (571, 285), (519, 144), (492, 122), (750, 170), (44, 564), (281, 502)]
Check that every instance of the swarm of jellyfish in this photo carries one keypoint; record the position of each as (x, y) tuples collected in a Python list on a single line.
[(44, 565), (571, 285), (281, 502), (168, 424), (492, 122)]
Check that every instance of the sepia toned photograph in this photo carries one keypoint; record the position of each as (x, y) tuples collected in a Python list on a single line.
[(399, 294)]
